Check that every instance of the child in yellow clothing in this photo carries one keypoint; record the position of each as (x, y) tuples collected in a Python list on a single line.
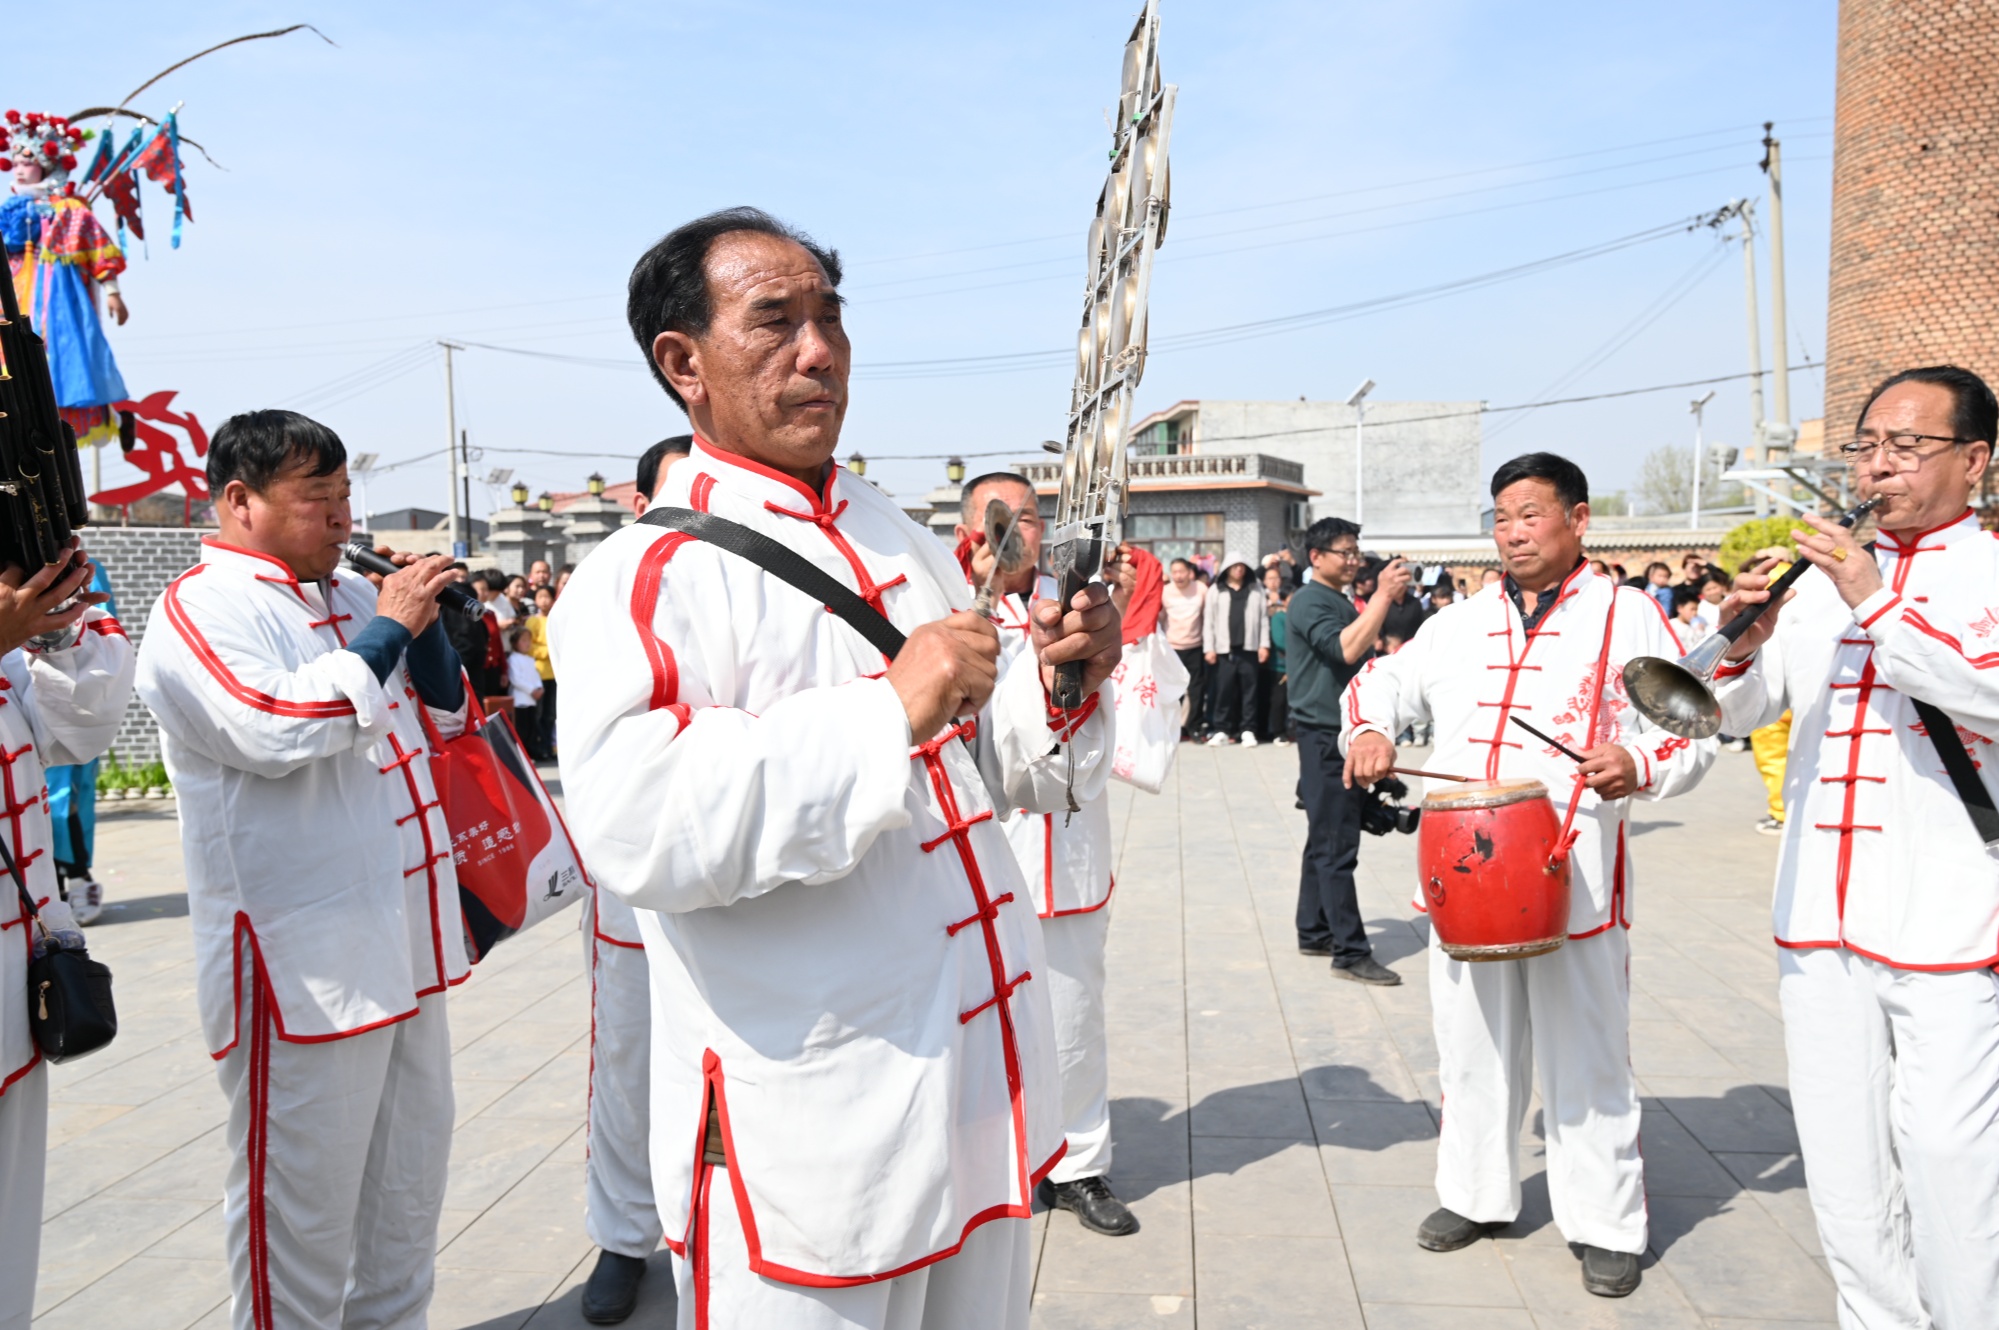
[(1770, 745), (537, 627)]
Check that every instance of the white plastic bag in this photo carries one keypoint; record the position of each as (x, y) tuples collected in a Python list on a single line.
[(1150, 682)]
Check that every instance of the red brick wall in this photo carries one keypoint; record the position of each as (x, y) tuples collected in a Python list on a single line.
[(1915, 190)]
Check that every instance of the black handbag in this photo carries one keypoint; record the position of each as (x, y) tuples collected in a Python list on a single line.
[(69, 995)]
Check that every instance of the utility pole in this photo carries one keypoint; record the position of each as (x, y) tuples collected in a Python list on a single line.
[(358, 466), (465, 485), (451, 445), (1358, 401), (1700, 456), (1773, 167), (1745, 210)]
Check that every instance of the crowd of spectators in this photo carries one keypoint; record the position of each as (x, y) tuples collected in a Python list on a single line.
[(1228, 626), (506, 653)]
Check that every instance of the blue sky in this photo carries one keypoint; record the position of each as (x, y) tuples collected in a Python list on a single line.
[(489, 173)]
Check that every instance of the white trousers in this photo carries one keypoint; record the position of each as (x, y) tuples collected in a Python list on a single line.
[(1076, 991), (985, 1286), (620, 1214), (1564, 1019), (24, 1153), (338, 1156), (1895, 1084)]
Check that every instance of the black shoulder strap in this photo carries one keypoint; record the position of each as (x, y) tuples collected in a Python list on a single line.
[(786, 565), (1962, 770)]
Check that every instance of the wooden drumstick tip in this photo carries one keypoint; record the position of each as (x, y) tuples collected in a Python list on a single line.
[(1428, 775)]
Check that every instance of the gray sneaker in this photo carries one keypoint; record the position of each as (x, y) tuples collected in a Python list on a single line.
[(1367, 970)]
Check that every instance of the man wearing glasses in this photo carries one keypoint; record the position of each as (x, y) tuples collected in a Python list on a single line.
[(1329, 639), (1887, 900)]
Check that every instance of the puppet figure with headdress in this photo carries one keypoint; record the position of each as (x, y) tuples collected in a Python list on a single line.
[(61, 259)]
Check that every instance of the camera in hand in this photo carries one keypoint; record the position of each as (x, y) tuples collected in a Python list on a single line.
[(1382, 809), (455, 596)]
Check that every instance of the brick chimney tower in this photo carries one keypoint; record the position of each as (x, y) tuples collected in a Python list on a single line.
[(1915, 196)]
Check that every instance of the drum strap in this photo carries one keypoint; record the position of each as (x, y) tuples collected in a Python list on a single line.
[(1568, 837)]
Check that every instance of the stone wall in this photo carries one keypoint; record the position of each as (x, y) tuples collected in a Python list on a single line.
[(1915, 195), (140, 561)]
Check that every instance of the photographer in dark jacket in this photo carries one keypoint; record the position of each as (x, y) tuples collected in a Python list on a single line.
[(1327, 640)]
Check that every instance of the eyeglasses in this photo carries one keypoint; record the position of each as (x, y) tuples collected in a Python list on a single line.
[(1904, 450), (1342, 554)]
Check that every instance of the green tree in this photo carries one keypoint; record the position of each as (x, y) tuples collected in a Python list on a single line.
[(1742, 542)]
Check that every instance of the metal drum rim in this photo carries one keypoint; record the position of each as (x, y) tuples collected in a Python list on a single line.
[(1502, 951)]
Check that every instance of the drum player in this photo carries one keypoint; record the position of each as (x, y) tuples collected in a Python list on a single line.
[(1545, 644)]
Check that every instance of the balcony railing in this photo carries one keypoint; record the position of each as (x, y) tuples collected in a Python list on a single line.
[(1190, 466)]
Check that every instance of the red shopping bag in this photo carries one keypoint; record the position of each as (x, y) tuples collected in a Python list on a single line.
[(516, 863)]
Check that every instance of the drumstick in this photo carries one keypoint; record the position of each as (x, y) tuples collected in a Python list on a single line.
[(1432, 775), (1547, 738)]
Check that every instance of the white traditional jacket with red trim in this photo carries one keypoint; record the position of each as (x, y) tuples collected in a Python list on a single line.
[(1066, 860), (1474, 667), (309, 824), (844, 956), (57, 708), (1879, 855)]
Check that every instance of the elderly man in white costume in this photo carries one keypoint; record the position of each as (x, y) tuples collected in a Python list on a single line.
[(854, 1088), (1887, 902), (293, 700), (619, 1212), (1066, 861), (1546, 644), (65, 675)]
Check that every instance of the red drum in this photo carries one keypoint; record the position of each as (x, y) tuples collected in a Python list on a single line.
[(1496, 888)]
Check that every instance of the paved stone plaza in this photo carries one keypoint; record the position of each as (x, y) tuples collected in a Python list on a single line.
[(1275, 1127)]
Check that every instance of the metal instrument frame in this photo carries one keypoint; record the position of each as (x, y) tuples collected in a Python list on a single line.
[(1129, 226)]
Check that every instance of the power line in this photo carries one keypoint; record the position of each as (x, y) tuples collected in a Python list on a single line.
[(1378, 423), (1365, 189), (1679, 289), (1017, 361)]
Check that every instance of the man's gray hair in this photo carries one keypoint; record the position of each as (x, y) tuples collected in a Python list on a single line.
[(973, 517)]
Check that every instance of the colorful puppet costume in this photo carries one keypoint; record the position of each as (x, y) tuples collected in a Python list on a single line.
[(58, 252)]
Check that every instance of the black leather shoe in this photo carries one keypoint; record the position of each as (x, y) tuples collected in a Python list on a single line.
[(1095, 1208), (1315, 949), (1447, 1230), (1609, 1274), (1367, 970), (613, 1288)]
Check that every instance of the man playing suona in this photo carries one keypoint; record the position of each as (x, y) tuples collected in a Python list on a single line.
[(295, 706), (1887, 904), (1547, 644), (854, 1088)]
